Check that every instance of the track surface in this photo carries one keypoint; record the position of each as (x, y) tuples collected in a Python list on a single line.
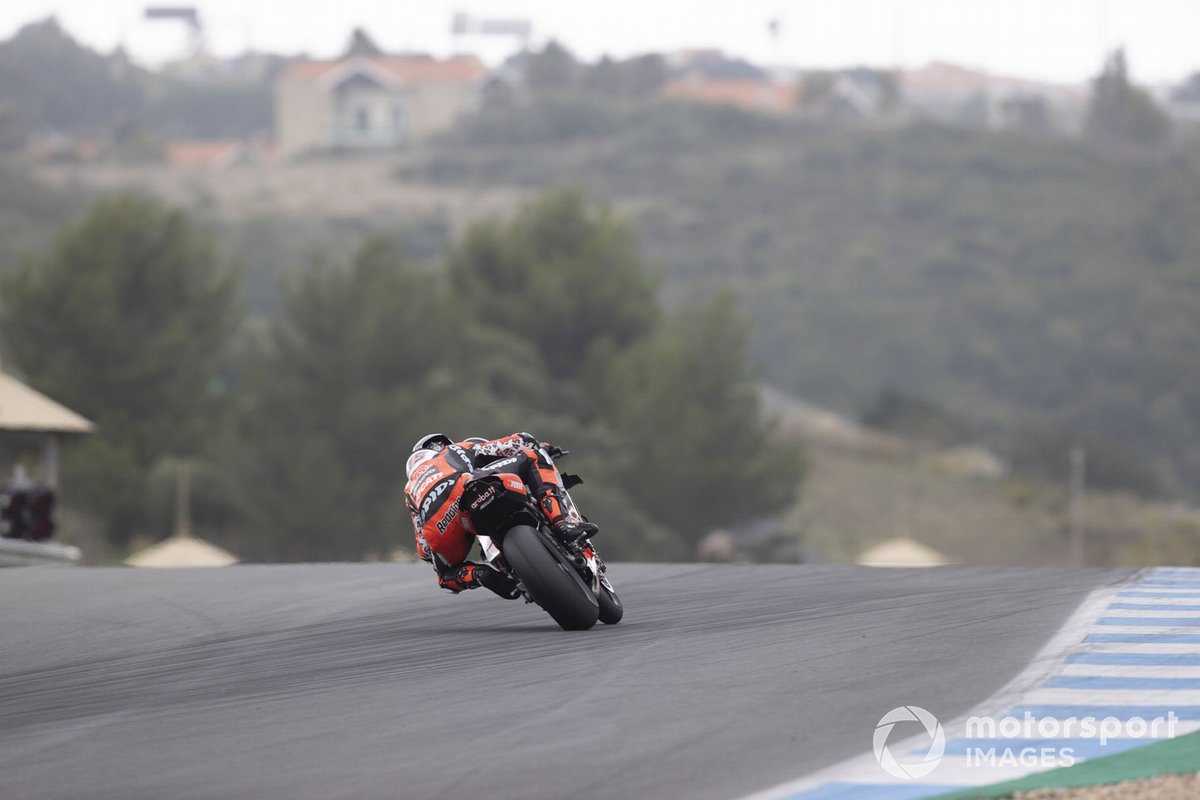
[(366, 681)]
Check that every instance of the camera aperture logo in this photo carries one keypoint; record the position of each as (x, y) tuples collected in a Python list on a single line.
[(1027, 741), (913, 769)]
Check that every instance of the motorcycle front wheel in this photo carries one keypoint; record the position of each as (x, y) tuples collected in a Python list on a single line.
[(550, 579), (611, 609)]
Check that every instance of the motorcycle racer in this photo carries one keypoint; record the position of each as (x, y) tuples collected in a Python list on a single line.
[(437, 471)]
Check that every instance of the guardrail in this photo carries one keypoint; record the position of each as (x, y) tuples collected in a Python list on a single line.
[(20, 553)]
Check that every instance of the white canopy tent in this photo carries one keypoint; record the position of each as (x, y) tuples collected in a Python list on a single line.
[(182, 549), (901, 552), (23, 409)]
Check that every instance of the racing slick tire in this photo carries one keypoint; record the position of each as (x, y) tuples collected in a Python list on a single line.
[(550, 579)]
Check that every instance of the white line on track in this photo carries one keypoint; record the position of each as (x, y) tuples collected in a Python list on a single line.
[(1113, 697), (1149, 648), (1131, 671), (1141, 613)]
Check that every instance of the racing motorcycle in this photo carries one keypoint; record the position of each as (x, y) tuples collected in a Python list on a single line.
[(568, 581)]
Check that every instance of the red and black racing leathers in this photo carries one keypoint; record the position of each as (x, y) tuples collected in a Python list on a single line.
[(433, 493)]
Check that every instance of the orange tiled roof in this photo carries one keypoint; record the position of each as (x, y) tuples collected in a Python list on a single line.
[(940, 76), (402, 69), (308, 70), (946, 77), (200, 153), (755, 95)]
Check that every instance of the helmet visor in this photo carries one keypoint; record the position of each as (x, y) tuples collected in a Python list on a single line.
[(417, 459)]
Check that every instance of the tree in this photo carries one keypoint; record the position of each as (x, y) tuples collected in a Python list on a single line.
[(1042, 453), (52, 83), (361, 44), (32, 213), (701, 456), (331, 405), (546, 324), (362, 360), (915, 417), (14, 128), (645, 75), (1188, 91), (641, 76), (676, 399), (553, 69), (126, 320), (564, 276), (57, 84), (1122, 114)]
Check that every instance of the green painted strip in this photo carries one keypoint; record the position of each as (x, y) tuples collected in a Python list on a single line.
[(1172, 757)]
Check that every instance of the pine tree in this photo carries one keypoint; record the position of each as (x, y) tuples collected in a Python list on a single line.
[(563, 275), (687, 402), (126, 320), (1121, 113)]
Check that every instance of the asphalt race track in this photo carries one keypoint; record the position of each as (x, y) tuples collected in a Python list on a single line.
[(367, 681)]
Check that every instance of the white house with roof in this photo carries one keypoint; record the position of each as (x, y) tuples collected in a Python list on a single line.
[(372, 102)]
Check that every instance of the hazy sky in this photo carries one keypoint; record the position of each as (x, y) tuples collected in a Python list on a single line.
[(1057, 40)]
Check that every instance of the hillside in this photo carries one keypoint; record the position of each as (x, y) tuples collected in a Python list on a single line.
[(1026, 284), (1043, 291), (864, 487), (964, 292)]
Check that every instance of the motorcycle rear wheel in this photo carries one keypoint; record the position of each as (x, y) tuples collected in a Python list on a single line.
[(550, 579)]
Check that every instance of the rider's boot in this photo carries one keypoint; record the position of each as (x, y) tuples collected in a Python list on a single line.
[(492, 578), (567, 531), (471, 575), (575, 532)]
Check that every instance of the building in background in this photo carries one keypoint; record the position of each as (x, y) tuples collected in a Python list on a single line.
[(959, 95), (217, 155), (752, 95), (709, 76), (372, 102)]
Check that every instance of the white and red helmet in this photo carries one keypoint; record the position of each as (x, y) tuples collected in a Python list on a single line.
[(426, 448)]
